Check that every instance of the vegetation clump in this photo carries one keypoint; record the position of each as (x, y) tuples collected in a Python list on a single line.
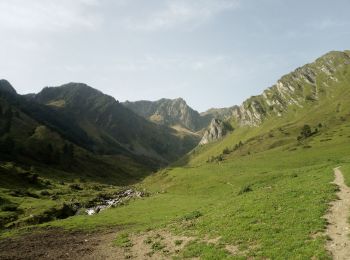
[(192, 215), (307, 132), (226, 151), (122, 240)]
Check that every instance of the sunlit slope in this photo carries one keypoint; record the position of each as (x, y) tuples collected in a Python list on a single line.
[(327, 109), (263, 188), (270, 204)]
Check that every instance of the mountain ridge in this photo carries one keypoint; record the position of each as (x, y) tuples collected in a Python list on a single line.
[(169, 112)]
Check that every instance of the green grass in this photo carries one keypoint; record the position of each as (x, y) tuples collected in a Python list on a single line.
[(269, 203), (204, 251), (345, 169), (268, 196), (122, 240)]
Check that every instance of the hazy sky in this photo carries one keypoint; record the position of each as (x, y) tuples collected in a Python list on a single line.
[(213, 53)]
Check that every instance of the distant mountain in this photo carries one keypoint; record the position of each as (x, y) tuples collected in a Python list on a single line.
[(112, 127), (170, 112), (219, 113), (75, 121)]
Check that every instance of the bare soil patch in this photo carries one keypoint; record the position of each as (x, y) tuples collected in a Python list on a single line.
[(53, 244), (338, 216)]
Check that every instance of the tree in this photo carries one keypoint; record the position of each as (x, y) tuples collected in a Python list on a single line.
[(306, 131)]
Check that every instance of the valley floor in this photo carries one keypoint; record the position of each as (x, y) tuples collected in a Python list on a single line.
[(56, 243)]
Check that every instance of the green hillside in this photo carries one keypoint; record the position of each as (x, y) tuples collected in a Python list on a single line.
[(69, 146), (259, 193)]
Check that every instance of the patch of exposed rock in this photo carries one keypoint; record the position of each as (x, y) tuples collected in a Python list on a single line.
[(216, 130), (305, 84), (119, 199)]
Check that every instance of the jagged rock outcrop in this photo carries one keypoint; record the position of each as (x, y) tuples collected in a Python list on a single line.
[(216, 130), (304, 85), (170, 112), (224, 113)]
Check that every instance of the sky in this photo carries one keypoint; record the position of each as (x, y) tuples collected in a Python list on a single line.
[(212, 53)]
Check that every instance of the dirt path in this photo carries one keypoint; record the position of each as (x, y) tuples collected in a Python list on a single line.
[(58, 244), (338, 216)]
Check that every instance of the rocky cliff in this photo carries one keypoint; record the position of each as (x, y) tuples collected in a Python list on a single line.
[(306, 84), (170, 112), (216, 130)]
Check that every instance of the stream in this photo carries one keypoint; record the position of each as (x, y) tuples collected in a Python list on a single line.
[(117, 200)]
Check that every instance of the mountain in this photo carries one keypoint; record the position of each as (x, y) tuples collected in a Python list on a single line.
[(306, 85), (219, 113), (296, 89), (215, 131), (47, 127), (260, 191), (170, 112), (6, 87), (110, 126)]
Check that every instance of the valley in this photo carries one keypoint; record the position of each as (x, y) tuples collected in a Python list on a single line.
[(258, 186)]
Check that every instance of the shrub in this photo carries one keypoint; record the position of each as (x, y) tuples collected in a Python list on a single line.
[(306, 131), (226, 151)]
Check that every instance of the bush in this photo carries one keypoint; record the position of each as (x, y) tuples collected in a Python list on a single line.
[(226, 151), (306, 131)]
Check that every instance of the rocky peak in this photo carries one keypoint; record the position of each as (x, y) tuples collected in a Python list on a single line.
[(216, 130), (75, 95), (169, 112), (6, 87), (303, 85)]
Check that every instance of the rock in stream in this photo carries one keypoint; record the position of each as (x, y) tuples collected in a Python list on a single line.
[(118, 199)]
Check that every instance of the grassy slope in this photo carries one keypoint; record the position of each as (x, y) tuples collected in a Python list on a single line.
[(268, 197), (279, 218)]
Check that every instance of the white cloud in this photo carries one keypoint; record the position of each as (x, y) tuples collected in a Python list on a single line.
[(50, 15), (181, 12)]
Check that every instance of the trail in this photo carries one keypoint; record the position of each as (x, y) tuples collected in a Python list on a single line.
[(338, 228)]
